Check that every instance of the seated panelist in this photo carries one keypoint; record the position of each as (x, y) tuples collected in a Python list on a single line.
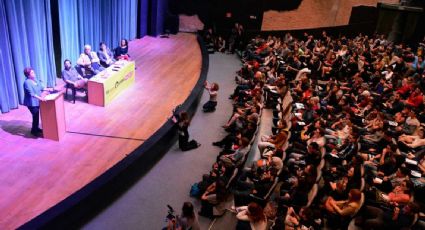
[(89, 61), (72, 77), (105, 55), (121, 52)]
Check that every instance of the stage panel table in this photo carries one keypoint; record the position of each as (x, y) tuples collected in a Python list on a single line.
[(106, 85), (53, 116)]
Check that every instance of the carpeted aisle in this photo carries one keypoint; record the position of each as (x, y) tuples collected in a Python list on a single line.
[(143, 206)]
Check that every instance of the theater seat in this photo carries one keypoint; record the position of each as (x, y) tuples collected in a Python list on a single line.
[(312, 195)]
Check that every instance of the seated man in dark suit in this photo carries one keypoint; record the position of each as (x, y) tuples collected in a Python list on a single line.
[(105, 55)]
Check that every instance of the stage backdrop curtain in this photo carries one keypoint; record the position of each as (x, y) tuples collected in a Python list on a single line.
[(152, 17), (25, 40), (93, 21), (8, 90)]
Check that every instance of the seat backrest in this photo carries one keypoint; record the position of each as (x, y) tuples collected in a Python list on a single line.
[(319, 175), (415, 219), (251, 142), (362, 199), (288, 123), (272, 188), (323, 151), (312, 194), (321, 164), (362, 184), (285, 146), (235, 172)]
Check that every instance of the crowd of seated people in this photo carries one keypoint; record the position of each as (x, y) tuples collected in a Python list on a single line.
[(225, 44), (347, 143), (235, 146)]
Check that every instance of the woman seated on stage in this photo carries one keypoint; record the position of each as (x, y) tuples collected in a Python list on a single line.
[(121, 52), (105, 55)]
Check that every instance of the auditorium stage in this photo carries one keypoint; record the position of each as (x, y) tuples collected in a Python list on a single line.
[(36, 174)]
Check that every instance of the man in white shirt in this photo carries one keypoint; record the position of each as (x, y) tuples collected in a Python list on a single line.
[(89, 61)]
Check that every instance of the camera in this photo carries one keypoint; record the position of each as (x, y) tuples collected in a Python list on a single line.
[(176, 110), (171, 214)]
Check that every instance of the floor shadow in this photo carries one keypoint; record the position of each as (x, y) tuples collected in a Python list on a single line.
[(17, 128)]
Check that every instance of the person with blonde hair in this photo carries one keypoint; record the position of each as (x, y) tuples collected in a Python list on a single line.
[(89, 61)]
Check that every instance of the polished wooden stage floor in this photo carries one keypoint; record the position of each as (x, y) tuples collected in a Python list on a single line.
[(36, 174)]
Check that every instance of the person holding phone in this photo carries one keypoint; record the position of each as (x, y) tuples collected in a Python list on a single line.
[(34, 92), (212, 89)]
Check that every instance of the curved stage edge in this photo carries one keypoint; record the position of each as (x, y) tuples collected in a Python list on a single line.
[(84, 204)]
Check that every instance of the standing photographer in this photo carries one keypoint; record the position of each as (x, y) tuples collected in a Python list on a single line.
[(188, 219)]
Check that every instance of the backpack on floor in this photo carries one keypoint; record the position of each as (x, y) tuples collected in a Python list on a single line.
[(195, 191)]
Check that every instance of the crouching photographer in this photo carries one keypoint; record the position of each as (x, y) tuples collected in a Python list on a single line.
[(187, 221)]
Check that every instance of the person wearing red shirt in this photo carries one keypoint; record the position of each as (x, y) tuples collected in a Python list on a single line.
[(415, 98), (405, 88)]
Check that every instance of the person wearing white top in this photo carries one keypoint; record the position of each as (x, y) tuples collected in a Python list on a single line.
[(90, 61)]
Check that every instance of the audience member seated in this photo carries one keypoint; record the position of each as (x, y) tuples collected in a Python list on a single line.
[(296, 185), (273, 141), (304, 219), (234, 159), (251, 215), (187, 220), (220, 44), (401, 194), (351, 123), (213, 198), (395, 218), (340, 212)]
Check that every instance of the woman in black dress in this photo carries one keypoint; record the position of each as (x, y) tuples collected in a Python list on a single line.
[(183, 121), (121, 52)]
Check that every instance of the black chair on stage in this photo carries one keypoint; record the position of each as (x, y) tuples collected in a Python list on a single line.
[(74, 92), (71, 87)]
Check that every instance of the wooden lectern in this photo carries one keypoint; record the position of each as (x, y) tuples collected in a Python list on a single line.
[(53, 116)]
